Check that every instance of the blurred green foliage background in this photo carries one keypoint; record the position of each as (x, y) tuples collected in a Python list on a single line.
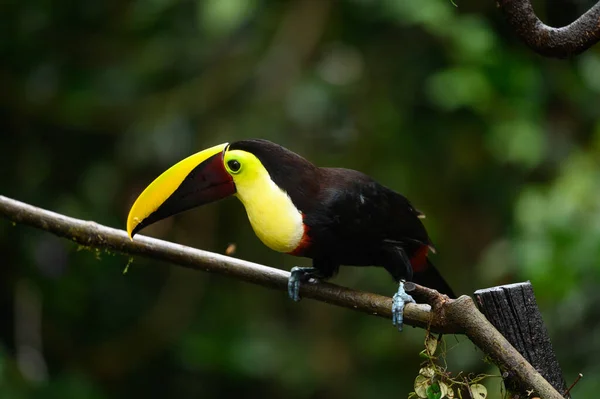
[(499, 146)]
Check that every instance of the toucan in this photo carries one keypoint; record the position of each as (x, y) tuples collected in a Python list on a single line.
[(333, 216)]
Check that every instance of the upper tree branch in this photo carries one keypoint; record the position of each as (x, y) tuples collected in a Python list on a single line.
[(562, 42), (459, 316)]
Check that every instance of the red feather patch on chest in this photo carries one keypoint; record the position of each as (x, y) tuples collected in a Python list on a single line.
[(304, 242), (419, 260)]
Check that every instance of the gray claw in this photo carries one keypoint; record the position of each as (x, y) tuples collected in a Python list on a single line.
[(296, 276), (400, 299)]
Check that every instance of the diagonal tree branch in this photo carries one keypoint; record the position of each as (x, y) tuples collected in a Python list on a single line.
[(444, 315), (563, 42), (91, 234)]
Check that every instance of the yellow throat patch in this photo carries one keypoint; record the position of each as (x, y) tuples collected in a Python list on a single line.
[(272, 214)]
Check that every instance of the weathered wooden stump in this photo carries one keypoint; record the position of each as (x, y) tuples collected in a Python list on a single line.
[(513, 310)]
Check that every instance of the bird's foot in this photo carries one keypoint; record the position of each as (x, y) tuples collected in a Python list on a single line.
[(400, 299), (298, 276)]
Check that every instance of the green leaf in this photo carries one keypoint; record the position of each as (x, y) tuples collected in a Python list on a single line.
[(433, 391)]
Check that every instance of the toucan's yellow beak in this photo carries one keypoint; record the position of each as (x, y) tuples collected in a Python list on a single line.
[(198, 179)]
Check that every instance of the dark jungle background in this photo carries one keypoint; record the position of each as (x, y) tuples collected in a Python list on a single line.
[(499, 147)]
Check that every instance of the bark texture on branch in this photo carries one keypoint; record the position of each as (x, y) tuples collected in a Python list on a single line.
[(563, 42), (442, 314), (513, 310), (92, 234)]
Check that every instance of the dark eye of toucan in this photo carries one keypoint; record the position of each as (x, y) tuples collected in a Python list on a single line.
[(234, 165)]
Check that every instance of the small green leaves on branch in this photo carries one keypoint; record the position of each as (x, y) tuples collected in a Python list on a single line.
[(436, 382)]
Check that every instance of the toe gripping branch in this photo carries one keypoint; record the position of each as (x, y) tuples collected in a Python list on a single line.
[(298, 276), (301, 275), (399, 300)]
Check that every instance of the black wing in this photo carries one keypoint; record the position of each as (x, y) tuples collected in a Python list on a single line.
[(357, 220)]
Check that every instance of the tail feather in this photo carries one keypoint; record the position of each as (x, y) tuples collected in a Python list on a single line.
[(431, 278)]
